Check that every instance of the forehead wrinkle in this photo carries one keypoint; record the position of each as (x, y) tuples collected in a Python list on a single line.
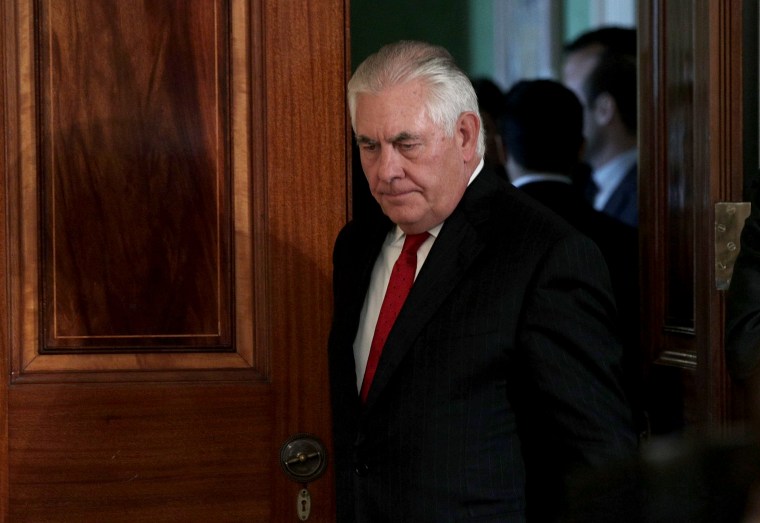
[(403, 136)]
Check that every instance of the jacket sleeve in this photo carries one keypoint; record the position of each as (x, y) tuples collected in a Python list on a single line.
[(572, 409), (742, 343)]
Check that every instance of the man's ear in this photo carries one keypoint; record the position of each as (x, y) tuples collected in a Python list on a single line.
[(603, 109), (468, 130)]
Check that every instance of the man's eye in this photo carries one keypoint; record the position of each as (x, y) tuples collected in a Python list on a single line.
[(407, 146), (368, 147)]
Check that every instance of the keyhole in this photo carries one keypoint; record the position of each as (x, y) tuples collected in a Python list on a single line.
[(304, 505)]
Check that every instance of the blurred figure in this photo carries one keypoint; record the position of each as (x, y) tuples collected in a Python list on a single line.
[(542, 128), (491, 104), (708, 479), (600, 68), (742, 341)]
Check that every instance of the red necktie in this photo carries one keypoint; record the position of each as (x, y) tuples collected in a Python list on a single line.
[(402, 278)]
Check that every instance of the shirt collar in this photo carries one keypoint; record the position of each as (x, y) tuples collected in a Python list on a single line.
[(398, 234), (541, 177), (608, 176), (476, 172), (612, 172)]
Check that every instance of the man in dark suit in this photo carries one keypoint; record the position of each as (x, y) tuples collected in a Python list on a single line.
[(600, 68), (501, 373), (542, 130), (742, 343)]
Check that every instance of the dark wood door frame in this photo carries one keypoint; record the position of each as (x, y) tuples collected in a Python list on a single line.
[(691, 157)]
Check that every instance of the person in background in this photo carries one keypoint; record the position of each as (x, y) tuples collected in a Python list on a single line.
[(476, 395), (542, 129), (491, 105), (742, 338), (600, 68)]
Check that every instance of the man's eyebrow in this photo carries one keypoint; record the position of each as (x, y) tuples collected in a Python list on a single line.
[(400, 137), (404, 136), (361, 139)]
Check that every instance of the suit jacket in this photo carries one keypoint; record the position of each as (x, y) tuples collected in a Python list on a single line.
[(619, 244), (499, 377), (624, 201), (743, 302)]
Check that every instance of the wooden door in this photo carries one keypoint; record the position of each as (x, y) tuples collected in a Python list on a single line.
[(173, 177), (692, 147)]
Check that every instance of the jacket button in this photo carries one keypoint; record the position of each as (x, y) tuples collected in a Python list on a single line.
[(361, 469)]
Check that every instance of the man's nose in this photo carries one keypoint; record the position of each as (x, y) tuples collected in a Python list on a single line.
[(388, 165)]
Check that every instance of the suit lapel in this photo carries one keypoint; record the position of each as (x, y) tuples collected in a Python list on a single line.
[(369, 246), (455, 248)]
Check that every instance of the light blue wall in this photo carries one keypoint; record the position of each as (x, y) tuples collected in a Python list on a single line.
[(464, 27), (481, 43), (576, 17)]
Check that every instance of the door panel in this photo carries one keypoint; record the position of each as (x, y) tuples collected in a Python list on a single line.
[(174, 176), (134, 177), (124, 213), (691, 136)]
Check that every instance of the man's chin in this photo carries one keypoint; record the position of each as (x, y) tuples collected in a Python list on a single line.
[(400, 217)]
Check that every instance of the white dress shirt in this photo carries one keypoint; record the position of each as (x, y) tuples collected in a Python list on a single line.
[(608, 176)]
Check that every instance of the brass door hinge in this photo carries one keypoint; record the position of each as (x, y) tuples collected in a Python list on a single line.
[(729, 221)]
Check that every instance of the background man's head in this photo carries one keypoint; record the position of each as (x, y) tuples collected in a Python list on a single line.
[(542, 128), (491, 102), (600, 68)]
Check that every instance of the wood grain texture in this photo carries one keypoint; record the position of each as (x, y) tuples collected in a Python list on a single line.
[(126, 207), (168, 429), (135, 179), (302, 181), (153, 453), (7, 138)]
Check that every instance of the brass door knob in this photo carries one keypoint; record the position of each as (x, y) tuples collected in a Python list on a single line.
[(303, 458)]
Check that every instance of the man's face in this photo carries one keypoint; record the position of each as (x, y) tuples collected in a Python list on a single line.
[(576, 69), (415, 171)]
